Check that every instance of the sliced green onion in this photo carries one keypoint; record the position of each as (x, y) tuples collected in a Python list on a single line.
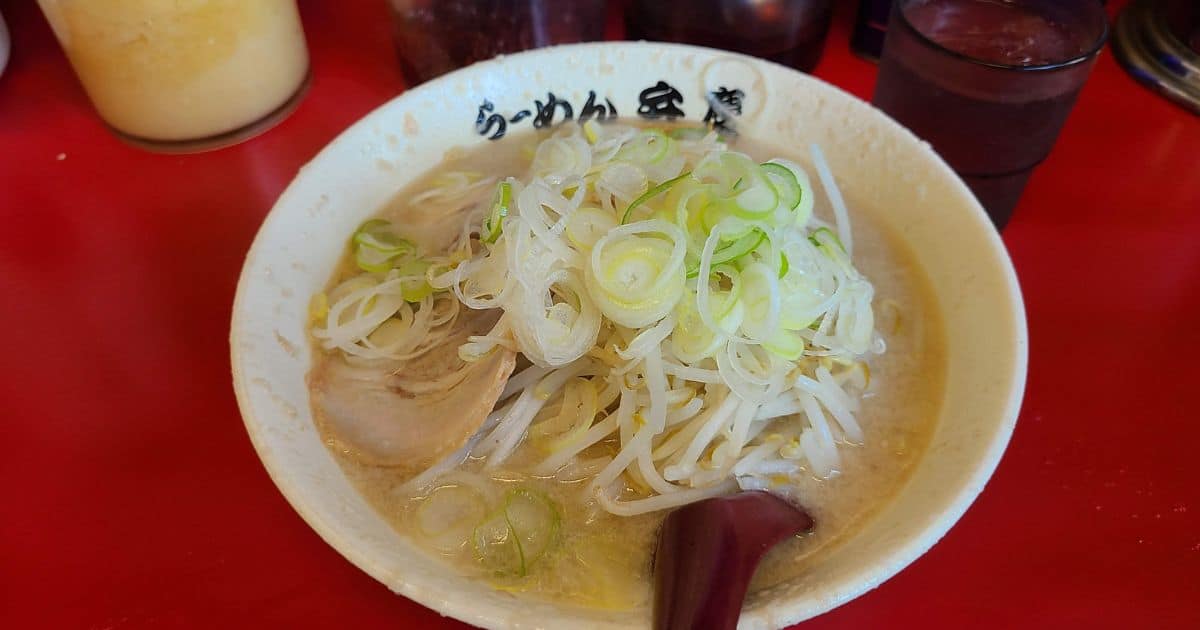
[(733, 251), (372, 260), (586, 225), (785, 183), (650, 194), (821, 237), (496, 546), (828, 242), (722, 301), (757, 198), (690, 199), (651, 146), (774, 257), (752, 194), (714, 215), (801, 294), (513, 538), (376, 246), (535, 519), (761, 296), (444, 517), (802, 212), (739, 248), (377, 234), (493, 223), (692, 340), (416, 288), (786, 344), (636, 272)]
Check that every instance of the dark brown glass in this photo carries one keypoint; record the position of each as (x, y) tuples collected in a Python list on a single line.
[(790, 32), (992, 108), (434, 37)]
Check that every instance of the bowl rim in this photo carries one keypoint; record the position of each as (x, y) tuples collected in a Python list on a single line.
[(794, 609)]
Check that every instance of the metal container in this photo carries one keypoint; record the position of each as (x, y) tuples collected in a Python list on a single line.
[(1158, 42)]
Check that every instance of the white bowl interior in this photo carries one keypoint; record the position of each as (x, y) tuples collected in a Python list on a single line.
[(876, 160)]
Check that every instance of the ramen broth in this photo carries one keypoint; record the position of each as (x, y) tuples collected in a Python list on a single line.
[(604, 561)]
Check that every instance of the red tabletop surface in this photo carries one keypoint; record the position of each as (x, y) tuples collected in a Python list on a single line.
[(132, 496)]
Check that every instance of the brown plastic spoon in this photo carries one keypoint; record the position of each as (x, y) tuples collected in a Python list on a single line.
[(707, 552)]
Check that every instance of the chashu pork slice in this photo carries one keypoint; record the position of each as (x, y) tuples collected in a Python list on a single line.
[(411, 414)]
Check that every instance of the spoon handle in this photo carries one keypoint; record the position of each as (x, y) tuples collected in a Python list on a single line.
[(707, 552)]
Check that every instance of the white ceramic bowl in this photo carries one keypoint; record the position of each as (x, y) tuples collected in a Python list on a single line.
[(877, 161)]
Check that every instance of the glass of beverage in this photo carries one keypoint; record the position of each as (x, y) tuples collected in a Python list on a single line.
[(790, 32), (179, 77), (434, 37), (989, 83)]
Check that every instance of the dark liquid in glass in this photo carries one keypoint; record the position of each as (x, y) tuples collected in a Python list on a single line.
[(436, 36), (991, 132), (789, 32)]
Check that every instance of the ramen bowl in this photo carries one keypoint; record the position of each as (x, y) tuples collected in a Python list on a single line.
[(876, 161)]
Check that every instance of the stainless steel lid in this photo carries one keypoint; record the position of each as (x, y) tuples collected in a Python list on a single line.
[(1156, 41)]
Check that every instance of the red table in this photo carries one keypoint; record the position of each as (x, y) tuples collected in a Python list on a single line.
[(132, 496)]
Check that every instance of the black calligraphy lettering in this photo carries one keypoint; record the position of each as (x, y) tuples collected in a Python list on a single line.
[(489, 119), (600, 112), (545, 113), (723, 105), (660, 101), (519, 116)]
